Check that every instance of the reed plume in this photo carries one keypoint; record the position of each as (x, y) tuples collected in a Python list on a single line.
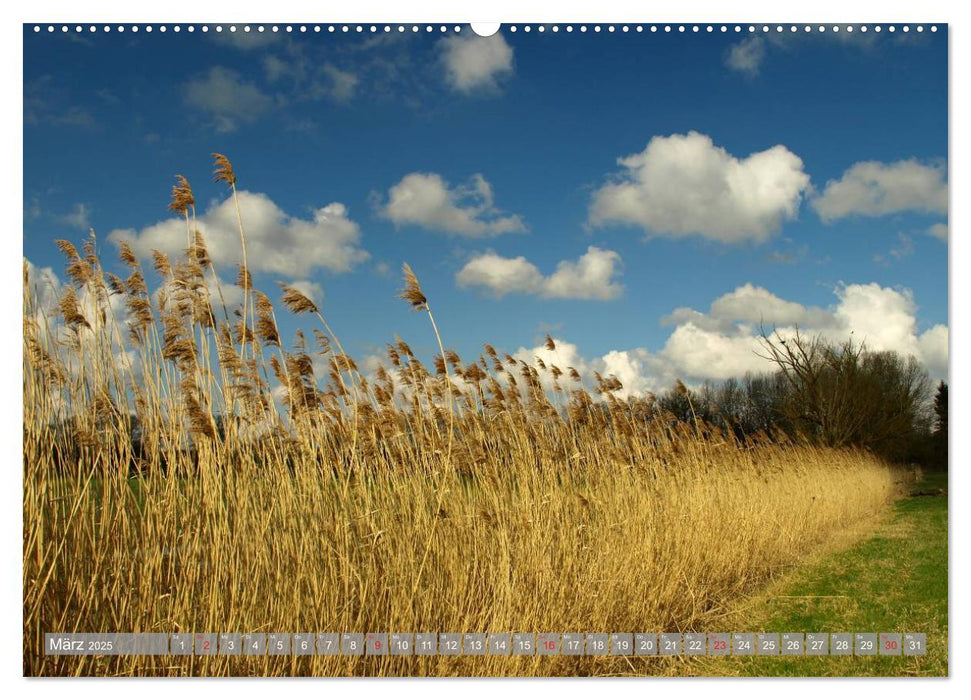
[(224, 172)]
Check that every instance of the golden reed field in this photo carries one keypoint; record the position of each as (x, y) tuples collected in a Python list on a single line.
[(187, 470)]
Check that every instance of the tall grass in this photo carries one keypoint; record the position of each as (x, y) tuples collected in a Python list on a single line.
[(185, 472)]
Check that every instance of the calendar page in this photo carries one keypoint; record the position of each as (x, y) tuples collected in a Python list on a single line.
[(522, 349)]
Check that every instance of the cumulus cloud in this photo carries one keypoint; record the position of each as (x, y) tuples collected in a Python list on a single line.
[(591, 276), (475, 63), (752, 305), (695, 354), (746, 56), (637, 369), (684, 185), (426, 200), (871, 188), (724, 342), (227, 98), (276, 242)]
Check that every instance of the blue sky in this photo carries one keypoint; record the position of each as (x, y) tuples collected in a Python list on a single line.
[(798, 179)]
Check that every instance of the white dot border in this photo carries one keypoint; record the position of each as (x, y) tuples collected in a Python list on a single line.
[(604, 29)]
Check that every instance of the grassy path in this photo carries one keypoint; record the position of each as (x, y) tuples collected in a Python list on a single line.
[(893, 581)]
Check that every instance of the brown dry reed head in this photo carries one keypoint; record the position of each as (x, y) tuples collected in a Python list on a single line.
[(200, 251), (550, 345), (115, 284), (67, 249), (680, 387), (412, 291), (182, 197), (126, 255), (266, 327), (71, 310), (223, 171), (296, 301), (78, 269), (161, 263), (243, 278)]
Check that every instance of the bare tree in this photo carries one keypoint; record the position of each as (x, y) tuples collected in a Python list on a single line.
[(843, 394)]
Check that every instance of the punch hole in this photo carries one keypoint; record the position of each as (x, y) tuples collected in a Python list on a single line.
[(485, 28)]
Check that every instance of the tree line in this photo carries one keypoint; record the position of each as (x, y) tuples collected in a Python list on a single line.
[(835, 394)]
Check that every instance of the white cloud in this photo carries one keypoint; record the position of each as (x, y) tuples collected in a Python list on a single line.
[(474, 63), (932, 346), (591, 276), (696, 354), (426, 200), (882, 317), (938, 231), (501, 275), (750, 305), (227, 98), (724, 342), (637, 369), (275, 241), (682, 185), (871, 188), (746, 56)]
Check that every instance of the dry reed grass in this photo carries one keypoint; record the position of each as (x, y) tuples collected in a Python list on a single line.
[(188, 473)]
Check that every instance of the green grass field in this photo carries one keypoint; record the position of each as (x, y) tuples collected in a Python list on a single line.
[(894, 580)]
